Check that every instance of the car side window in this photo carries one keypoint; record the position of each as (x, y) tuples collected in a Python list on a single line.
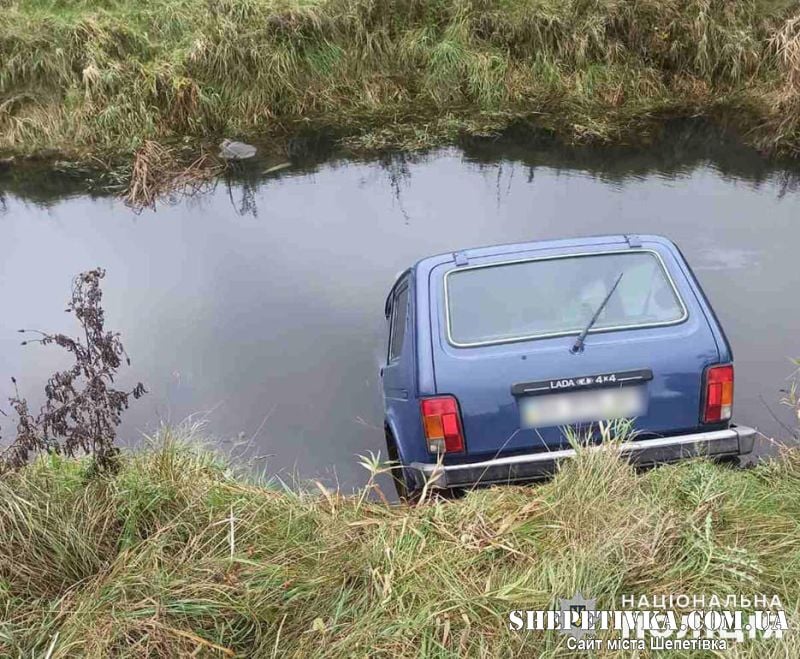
[(398, 323)]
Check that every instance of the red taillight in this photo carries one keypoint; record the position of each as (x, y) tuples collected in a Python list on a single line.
[(719, 394), (442, 424)]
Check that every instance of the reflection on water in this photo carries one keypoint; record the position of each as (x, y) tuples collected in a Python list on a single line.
[(258, 306)]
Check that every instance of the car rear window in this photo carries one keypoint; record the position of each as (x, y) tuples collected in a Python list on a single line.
[(553, 296)]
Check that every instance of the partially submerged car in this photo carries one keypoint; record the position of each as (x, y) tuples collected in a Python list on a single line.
[(497, 355)]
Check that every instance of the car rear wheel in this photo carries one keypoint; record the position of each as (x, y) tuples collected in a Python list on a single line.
[(399, 473)]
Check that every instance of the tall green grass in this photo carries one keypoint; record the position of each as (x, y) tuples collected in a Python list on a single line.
[(102, 77), (175, 555)]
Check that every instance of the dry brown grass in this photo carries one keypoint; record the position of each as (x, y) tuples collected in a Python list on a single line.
[(157, 173), (80, 78)]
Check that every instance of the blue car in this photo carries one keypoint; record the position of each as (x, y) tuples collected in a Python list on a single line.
[(497, 355)]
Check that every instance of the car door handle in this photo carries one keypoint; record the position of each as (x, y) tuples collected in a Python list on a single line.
[(380, 371)]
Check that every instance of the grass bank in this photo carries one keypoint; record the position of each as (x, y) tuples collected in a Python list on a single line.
[(88, 78), (175, 555)]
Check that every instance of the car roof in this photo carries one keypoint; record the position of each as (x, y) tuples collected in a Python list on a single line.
[(632, 240), (423, 266)]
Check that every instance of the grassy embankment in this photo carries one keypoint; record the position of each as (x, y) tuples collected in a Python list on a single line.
[(100, 78), (175, 555)]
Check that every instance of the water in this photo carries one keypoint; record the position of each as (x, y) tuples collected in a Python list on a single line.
[(257, 307)]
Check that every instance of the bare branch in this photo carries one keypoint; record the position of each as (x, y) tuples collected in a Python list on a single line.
[(82, 410)]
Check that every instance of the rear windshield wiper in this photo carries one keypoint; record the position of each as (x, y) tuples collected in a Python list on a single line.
[(578, 346)]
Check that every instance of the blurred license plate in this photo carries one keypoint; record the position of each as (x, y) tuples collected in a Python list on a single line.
[(582, 407)]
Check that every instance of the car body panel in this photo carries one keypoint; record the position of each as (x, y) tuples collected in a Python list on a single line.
[(481, 377)]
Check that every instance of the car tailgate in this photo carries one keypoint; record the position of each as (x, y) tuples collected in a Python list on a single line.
[(494, 383)]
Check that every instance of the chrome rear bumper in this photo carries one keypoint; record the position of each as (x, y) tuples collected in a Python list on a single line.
[(731, 441)]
